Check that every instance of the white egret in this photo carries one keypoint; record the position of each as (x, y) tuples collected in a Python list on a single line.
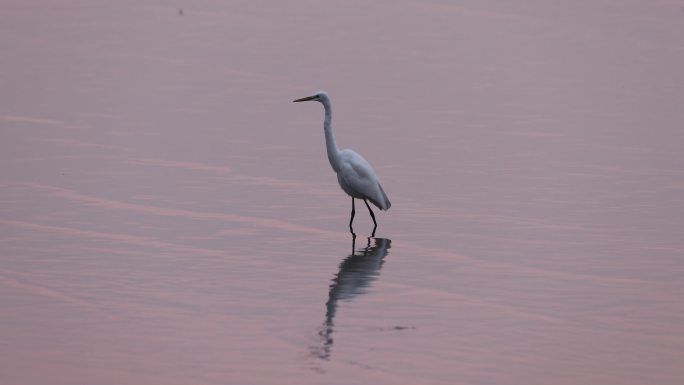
[(354, 174)]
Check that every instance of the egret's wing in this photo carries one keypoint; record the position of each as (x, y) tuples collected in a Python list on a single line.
[(362, 169), (358, 175)]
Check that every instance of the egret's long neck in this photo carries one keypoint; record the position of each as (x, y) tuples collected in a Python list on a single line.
[(333, 151)]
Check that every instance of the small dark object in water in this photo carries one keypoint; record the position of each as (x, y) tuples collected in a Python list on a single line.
[(404, 327)]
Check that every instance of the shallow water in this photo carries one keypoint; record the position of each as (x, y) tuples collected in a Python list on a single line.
[(168, 216)]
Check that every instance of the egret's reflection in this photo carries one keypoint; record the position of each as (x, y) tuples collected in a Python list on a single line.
[(357, 272)]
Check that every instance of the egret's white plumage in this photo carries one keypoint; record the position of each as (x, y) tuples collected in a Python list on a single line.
[(354, 174), (358, 180)]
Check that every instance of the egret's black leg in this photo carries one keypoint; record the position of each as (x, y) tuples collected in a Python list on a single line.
[(351, 229), (353, 244), (375, 224)]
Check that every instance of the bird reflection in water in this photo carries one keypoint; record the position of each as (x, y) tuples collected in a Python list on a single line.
[(357, 273)]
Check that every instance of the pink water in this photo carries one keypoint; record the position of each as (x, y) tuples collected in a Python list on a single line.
[(168, 216)]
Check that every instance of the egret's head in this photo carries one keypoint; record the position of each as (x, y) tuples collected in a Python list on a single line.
[(319, 96)]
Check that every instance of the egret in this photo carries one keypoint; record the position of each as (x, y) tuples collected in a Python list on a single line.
[(354, 174)]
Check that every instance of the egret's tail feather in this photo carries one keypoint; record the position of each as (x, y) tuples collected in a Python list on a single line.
[(385, 204)]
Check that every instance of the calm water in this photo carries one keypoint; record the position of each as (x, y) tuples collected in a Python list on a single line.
[(168, 215)]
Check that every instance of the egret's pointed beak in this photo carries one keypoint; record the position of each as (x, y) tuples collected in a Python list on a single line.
[(305, 99)]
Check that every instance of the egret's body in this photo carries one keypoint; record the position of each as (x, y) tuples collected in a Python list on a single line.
[(354, 174)]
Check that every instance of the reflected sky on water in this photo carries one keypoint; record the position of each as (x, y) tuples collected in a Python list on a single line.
[(168, 216)]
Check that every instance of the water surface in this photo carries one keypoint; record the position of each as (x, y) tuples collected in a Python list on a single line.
[(168, 216)]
